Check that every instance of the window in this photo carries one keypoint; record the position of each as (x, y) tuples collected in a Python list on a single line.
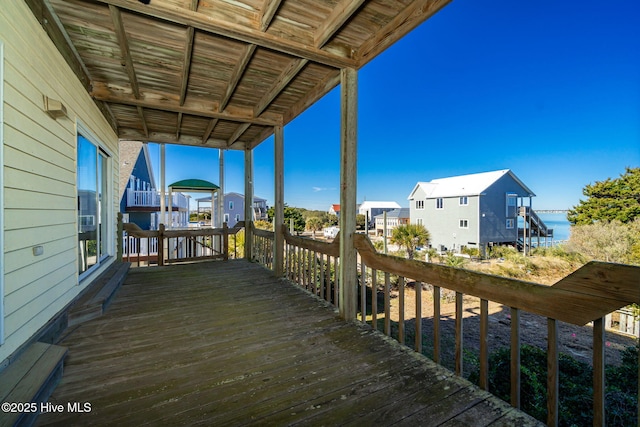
[(439, 203), (419, 221), (230, 206), (419, 204), (512, 203), (93, 193), (237, 217), (510, 223), (226, 217), (464, 201), (464, 223)]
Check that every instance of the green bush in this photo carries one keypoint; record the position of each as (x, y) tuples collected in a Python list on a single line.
[(576, 386)]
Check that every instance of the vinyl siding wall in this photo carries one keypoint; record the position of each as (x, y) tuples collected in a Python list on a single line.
[(40, 177)]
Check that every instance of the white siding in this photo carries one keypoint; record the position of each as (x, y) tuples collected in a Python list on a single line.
[(40, 176)]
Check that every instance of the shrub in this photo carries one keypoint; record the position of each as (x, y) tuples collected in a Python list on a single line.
[(576, 386)]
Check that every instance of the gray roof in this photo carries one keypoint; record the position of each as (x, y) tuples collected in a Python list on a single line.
[(465, 185), (396, 213)]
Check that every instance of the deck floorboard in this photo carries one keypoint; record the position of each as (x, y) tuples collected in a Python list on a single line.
[(227, 343)]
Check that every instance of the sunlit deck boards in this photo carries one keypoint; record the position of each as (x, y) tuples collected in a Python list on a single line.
[(226, 343)]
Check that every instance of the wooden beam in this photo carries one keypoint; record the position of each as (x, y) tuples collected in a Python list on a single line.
[(169, 138), (238, 133), (283, 80), (232, 30), (121, 35), (178, 125), (195, 109), (330, 81), (236, 75), (248, 204), (186, 64), (50, 22), (348, 184), (207, 133), (340, 14), (144, 121), (268, 12), (279, 226), (413, 15)]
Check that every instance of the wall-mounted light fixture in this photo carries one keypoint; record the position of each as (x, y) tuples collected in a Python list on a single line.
[(54, 108)]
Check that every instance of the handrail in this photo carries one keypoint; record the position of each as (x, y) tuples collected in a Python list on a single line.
[(574, 299), (585, 296), (188, 244)]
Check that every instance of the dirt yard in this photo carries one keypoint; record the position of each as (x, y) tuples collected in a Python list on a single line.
[(575, 341)]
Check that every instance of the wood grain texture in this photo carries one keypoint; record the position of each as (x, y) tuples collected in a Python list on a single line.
[(227, 343)]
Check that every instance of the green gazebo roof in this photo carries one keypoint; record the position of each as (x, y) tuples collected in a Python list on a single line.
[(194, 185)]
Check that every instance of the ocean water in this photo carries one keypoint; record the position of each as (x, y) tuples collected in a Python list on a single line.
[(557, 221)]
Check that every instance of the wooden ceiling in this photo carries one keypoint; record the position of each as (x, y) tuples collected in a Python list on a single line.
[(218, 73)]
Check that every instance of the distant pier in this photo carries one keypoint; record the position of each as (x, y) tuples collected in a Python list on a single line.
[(552, 210)]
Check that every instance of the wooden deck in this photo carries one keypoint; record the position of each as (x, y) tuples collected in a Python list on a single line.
[(226, 343)]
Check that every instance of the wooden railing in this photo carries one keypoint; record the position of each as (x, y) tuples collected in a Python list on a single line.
[(313, 265), (160, 247), (585, 296)]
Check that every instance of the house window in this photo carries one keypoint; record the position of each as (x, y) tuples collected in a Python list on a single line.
[(419, 221), (512, 203), (230, 206), (93, 192), (439, 203), (419, 204), (226, 217), (237, 217), (464, 223), (510, 223), (464, 201)]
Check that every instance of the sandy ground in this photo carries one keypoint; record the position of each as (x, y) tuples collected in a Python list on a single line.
[(576, 341)]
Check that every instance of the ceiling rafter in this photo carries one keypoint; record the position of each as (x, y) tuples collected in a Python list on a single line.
[(340, 14), (186, 109), (121, 35), (238, 133), (178, 15), (144, 121), (268, 12), (186, 60), (179, 124), (283, 80), (236, 75), (410, 17), (207, 133)]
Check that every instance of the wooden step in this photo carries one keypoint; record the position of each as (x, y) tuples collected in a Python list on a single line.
[(95, 300), (31, 378)]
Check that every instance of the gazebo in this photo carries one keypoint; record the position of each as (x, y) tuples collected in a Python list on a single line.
[(191, 186)]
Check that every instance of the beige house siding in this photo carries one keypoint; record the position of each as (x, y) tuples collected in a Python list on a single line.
[(40, 200)]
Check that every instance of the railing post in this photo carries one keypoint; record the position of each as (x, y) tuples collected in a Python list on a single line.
[(120, 237), (161, 245), (225, 241), (552, 373), (598, 373)]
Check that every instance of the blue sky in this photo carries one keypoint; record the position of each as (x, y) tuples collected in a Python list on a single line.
[(548, 89)]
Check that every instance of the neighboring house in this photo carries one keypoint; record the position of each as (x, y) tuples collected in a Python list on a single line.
[(234, 208), (395, 218), (335, 210), (139, 197), (59, 191), (476, 210), (370, 209)]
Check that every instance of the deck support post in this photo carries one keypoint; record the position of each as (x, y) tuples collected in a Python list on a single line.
[(220, 217), (162, 218), (278, 221), (248, 203), (348, 185)]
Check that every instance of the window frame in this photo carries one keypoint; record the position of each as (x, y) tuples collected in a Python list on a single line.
[(104, 207), (419, 205), (463, 223), (463, 201), (439, 203), (512, 221)]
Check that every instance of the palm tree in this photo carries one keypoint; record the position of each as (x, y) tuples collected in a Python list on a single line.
[(314, 224), (410, 236)]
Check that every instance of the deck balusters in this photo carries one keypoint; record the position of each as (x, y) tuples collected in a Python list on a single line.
[(436, 324), (515, 357), (458, 327)]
